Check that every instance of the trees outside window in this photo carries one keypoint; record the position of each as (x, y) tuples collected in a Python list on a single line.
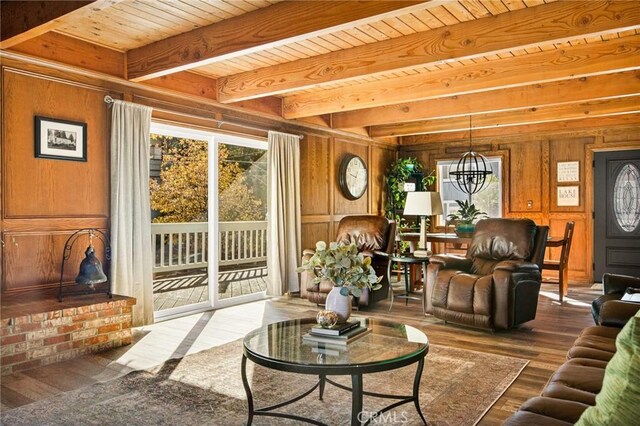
[(179, 191)]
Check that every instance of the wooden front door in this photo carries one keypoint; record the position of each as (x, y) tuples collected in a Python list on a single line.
[(616, 244)]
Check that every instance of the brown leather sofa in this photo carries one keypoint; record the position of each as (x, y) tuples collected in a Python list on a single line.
[(574, 386), (375, 237), (614, 287), (496, 285)]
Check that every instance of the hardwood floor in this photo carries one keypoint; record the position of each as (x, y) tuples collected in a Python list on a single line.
[(544, 342)]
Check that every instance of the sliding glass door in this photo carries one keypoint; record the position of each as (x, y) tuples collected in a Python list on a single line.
[(208, 201), (242, 220)]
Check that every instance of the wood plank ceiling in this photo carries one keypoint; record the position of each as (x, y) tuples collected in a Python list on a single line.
[(392, 68)]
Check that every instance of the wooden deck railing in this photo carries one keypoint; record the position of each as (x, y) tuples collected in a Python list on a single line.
[(180, 246)]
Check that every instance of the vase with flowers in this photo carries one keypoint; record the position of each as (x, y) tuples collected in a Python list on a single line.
[(347, 270)]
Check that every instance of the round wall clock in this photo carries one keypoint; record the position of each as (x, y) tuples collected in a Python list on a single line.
[(353, 177)]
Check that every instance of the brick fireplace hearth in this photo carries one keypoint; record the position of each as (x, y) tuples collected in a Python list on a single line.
[(36, 331)]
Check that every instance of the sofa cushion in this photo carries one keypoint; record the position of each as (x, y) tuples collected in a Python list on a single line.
[(582, 352), (587, 362), (619, 399), (568, 411), (575, 383), (595, 343), (611, 332)]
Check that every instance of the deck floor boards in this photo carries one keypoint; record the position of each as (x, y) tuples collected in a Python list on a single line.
[(190, 288)]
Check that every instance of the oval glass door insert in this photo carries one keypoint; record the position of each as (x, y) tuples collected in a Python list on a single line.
[(626, 198)]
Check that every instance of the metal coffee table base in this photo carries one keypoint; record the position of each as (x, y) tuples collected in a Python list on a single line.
[(357, 393)]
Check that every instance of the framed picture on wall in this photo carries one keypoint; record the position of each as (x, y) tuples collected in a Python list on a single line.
[(60, 139)]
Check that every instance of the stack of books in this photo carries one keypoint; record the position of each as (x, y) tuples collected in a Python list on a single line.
[(339, 335)]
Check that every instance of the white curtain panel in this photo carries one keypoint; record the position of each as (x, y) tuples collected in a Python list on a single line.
[(131, 272), (283, 217)]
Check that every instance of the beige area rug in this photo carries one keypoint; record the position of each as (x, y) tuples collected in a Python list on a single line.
[(457, 388)]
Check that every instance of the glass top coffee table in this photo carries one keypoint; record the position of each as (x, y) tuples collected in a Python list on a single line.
[(388, 346)]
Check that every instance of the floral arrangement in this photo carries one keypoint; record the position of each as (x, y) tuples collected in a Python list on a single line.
[(343, 266)]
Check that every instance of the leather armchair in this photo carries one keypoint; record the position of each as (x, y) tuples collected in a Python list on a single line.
[(608, 309), (496, 285), (375, 237)]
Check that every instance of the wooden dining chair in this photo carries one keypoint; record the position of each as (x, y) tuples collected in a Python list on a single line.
[(562, 265)]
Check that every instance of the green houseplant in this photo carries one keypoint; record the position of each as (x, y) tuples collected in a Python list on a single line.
[(348, 271), (465, 218), (398, 173)]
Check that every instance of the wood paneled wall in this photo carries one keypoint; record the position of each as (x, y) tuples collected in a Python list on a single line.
[(530, 184), (45, 200), (323, 204)]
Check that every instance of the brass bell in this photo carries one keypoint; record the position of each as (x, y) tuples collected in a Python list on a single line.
[(91, 272)]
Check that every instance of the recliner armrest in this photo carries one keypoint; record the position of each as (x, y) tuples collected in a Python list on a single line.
[(308, 252), (614, 283), (516, 266), (616, 313), (451, 261)]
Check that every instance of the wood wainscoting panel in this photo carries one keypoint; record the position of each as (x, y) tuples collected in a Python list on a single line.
[(36, 187), (315, 176), (314, 232), (32, 260), (342, 204), (579, 263), (525, 179)]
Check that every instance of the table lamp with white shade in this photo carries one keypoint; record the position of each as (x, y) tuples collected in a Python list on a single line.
[(423, 204)]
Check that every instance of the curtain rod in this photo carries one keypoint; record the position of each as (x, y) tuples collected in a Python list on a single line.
[(109, 100)]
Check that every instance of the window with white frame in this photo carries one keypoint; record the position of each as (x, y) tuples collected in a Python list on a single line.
[(488, 200)]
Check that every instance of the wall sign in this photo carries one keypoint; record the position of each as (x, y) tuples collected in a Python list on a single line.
[(409, 186), (568, 196), (568, 171)]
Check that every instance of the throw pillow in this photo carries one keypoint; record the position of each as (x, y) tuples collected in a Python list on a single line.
[(618, 401)]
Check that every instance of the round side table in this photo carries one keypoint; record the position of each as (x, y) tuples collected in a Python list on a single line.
[(406, 261)]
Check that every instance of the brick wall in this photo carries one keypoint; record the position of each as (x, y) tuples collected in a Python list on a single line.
[(38, 339)]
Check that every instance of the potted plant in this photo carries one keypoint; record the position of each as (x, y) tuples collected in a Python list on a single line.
[(401, 171), (465, 218), (348, 271)]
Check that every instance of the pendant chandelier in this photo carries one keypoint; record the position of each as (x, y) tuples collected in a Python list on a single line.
[(471, 171)]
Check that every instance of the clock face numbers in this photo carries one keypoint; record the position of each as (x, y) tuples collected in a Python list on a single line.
[(353, 178), (356, 176)]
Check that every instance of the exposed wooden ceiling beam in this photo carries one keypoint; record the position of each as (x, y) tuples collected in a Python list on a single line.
[(576, 61), (187, 82), (554, 22), (24, 20), (512, 118), (631, 119), (273, 26), (72, 51), (558, 92)]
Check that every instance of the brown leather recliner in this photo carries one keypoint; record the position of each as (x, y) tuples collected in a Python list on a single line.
[(375, 237), (496, 285)]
